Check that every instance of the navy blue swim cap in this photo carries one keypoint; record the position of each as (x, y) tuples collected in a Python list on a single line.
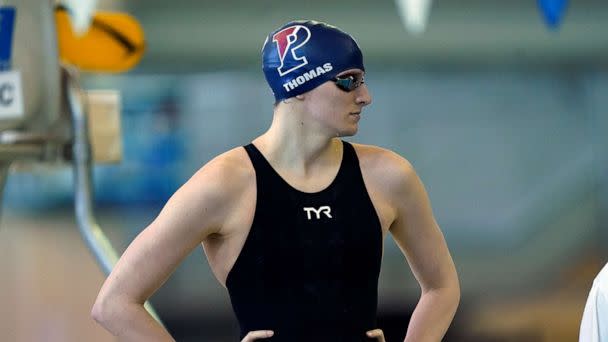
[(301, 55)]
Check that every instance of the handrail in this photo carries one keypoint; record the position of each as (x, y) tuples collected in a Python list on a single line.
[(95, 239)]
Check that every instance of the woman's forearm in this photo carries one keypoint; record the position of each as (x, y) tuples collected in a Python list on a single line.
[(130, 322), (433, 315)]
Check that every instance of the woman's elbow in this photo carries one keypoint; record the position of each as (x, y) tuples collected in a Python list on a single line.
[(105, 310), (455, 289), (456, 296), (99, 312), (449, 290)]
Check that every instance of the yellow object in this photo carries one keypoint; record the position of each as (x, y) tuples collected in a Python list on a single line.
[(113, 43)]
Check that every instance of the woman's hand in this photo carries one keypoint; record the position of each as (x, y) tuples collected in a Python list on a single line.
[(258, 335), (378, 334)]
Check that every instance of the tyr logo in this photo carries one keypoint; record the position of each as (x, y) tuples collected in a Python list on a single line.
[(323, 209)]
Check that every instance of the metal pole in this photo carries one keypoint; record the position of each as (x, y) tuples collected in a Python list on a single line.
[(4, 166), (92, 234)]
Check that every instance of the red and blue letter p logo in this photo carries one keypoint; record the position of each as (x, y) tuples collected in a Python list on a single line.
[(288, 41)]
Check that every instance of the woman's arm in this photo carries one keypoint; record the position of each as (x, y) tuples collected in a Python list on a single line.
[(194, 212), (420, 239)]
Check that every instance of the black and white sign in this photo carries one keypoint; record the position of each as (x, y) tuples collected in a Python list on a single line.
[(11, 95)]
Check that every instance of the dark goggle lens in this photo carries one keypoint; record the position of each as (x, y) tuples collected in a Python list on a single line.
[(348, 83)]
